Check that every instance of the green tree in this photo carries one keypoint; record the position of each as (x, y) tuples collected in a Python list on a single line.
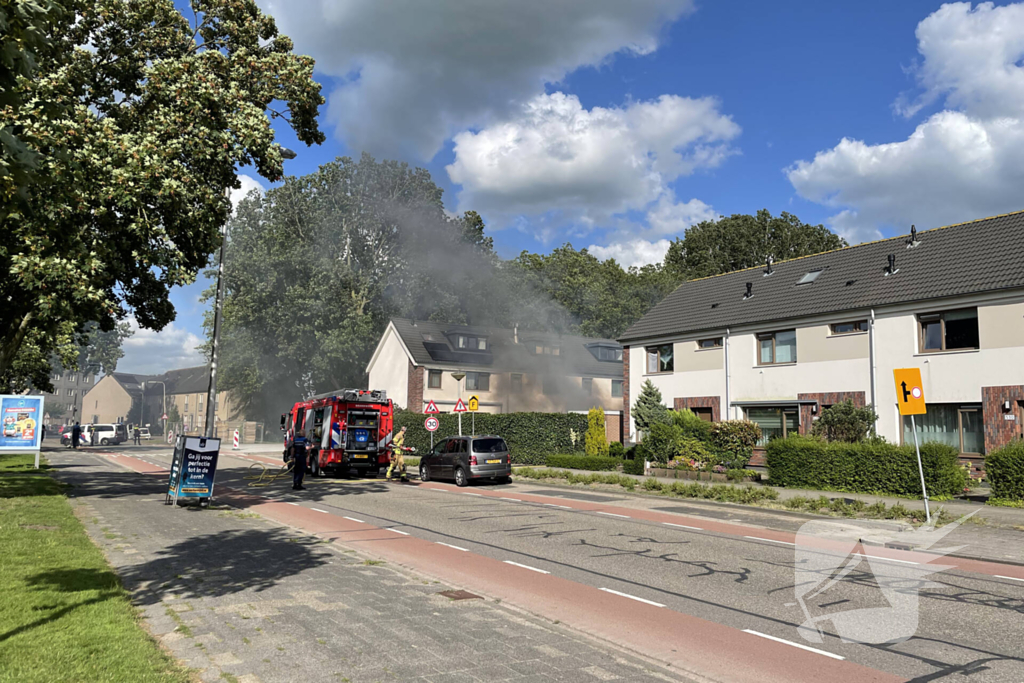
[(743, 241), (845, 422), (155, 118), (596, 440), (649, 410)]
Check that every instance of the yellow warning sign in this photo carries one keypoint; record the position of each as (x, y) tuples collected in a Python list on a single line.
[(474, 404), (909, 391)]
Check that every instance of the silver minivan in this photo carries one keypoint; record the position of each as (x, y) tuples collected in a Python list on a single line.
[(468, 457)]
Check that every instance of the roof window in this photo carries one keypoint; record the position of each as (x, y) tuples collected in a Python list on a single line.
[(810, 277)]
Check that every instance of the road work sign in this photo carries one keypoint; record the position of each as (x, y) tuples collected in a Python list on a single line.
[(474, 404), (431, 424), (460, 407), (431, 409), (909, 391)]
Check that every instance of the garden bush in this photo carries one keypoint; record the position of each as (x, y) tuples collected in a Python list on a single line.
[(734, 441), (635, 466), (692, 425), (584, 462), (845, 422), (869, 467), (616, 450), (662, 442), (1004, 469), (531, 437), (596, 441)]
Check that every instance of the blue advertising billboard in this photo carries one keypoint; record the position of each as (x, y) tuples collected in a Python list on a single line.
[(193, 467), (21, 421)]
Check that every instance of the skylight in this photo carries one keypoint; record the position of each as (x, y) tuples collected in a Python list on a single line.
[(809, 277)]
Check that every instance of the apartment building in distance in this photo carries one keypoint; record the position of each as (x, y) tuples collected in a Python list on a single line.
[(779, 343), (64, 404), (509, 370)]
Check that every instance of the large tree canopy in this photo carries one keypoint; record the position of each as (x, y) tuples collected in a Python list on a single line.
[(140, 117), (743, 241)]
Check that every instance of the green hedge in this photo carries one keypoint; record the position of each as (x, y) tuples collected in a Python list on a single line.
[(594, 463), (869, 467), (531, 437), (1004, 469), (635, 466)]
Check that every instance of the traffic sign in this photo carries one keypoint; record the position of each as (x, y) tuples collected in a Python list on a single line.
[(460, 407), (909, 391), (431, 409), (474, 404), (431, 423), (164, 416)]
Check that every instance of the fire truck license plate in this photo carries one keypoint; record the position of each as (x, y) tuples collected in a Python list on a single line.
[(494, 462), (361, 456)]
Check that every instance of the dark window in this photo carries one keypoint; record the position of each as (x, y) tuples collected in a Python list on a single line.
[(850, 328), (460, 446), (776, 347), (489, 446), (478, 381), (434, 379), (604, 353), (517, 382), (715, 343), (959, 426), (659, 358), (949, 330), (774, 422), (588, 385), (705, 414), (616, 388)]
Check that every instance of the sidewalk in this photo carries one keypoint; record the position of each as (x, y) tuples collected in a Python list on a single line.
[(240, 598)]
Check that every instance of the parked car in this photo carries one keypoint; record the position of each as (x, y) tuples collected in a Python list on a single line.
[(463, 458), (144, 433), (107, 434)]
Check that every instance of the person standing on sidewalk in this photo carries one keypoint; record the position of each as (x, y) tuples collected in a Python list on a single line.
[(76, 435), (137, 436), (298, 456)]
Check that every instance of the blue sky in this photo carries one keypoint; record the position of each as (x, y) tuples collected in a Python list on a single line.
[(617, 125)]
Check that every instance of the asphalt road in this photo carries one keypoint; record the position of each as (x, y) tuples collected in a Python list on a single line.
[(970, 625)]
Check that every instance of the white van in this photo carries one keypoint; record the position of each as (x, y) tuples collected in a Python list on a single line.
[(106, 434)]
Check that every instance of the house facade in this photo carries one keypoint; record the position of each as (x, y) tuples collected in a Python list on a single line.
[(779, 343), (64, 404), (508, 370)]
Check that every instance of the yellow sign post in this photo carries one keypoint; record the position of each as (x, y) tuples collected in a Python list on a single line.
[(474, 405), (910, 399)]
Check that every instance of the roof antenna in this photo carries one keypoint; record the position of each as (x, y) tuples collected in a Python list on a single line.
[(892, 269), (913, 237), (768, 266), (750, 290)]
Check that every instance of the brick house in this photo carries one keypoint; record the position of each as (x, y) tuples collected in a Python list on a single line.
[(778, 343)]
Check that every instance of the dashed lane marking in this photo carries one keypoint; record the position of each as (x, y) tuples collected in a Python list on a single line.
[(787, 642), (683, 526), (524, 566), (632, 597), (1011, 578), (465, 550), (560, 507), (319, 510), (399, 532), (612, 514), (515, 500), (353, 519), (887, 559), (770, 540)]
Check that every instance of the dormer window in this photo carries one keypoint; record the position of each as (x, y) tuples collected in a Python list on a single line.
[(543, 350), (463, 341)]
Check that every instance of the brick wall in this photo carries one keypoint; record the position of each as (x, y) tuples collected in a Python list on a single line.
[(999, 430), (626, 423), (613, 427), (415, 388), (825, 399), (691, 402)]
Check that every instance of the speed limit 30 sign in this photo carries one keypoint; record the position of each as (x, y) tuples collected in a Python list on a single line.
[(431, 424)]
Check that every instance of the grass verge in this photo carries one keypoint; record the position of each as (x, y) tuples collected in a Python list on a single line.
[(64, 615), (746, 495)]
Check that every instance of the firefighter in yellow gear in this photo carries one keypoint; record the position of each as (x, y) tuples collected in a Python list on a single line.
[(397, 457)]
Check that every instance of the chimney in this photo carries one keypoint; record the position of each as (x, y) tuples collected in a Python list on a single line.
[(891, 269), (768, 266), (750, 290)]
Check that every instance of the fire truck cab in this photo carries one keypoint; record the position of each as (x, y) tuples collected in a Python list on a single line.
[(349, 431)]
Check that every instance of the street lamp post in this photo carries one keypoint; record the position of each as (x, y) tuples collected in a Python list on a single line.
[(211, 392)]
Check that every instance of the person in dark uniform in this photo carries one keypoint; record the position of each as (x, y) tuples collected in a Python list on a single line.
[(137, 436), (76, 435), (298, 454)]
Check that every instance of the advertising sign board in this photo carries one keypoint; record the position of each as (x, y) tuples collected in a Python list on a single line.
[(21, 419), (193, 467)]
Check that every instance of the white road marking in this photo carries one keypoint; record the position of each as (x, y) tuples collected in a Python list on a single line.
[(472, 494), (513, 499), (352, 519), (532, 569), (1011, 578), (887, 559), (560, 507), (632, 597), (683, 526), (787, 642), (465, 550), (612, 514), (770, 540), (295, 504), (319, 510), (399, 532)]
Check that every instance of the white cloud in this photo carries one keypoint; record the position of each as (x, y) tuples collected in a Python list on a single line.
[(248, 184), (669, 217), (960, 163), (413, 73), (150, 352), (636, 252), (588, 165)]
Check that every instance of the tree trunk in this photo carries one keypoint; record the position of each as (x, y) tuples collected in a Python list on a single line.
[(11, 343)]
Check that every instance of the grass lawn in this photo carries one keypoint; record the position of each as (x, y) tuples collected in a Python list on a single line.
[(63, 613)]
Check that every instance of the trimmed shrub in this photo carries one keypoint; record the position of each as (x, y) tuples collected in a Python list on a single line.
[(635, 466), (531, 437), (695, 451), (692, 425), (845, 422), (871, 467), (616, 450), (734, 440), (662, 443), (584, 462), (596, 439), (1004, 469)]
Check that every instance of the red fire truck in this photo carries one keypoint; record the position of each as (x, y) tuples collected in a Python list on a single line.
[(349, 431)]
